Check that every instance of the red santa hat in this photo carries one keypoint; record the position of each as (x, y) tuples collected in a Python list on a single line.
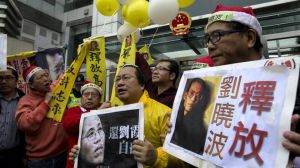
[(28, 72), (203, 63), (88, 84), (242, 15)]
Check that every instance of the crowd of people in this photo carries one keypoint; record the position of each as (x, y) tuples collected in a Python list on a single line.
[(30, 139)]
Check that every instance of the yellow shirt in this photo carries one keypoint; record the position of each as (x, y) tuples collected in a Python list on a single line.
[(155, 125)]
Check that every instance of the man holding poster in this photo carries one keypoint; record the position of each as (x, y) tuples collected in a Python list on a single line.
[(233, 36), (238, 40), (129, 86)]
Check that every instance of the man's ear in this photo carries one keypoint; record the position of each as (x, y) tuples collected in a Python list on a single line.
[(251, 38), (172, 76)]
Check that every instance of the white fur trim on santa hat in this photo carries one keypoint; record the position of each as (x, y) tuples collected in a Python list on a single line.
[(32, 72), (91, 85), (231, 16)]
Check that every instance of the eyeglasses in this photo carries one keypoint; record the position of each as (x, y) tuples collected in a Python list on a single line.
[(91, 136), (216, 36), (92, 94), (7, 78), (159, 69)]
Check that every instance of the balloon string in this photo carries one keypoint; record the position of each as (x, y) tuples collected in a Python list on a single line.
[(104, 23), (153, 37)]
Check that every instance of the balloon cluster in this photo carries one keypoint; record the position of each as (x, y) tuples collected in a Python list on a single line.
[(139, 13)]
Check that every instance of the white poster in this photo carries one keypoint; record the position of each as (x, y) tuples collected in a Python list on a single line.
[(106, 137), (234, 115), (3, 51)]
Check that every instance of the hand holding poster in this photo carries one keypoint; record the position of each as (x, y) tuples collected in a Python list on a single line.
[(234, 115), (106, 136)]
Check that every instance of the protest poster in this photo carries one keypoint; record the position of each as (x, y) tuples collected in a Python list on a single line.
[(234, 115), (3, 51), (106, 137)]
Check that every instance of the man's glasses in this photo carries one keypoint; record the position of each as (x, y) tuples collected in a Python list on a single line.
[(92, 94), (7, 78), (159, 69), (217, 35)]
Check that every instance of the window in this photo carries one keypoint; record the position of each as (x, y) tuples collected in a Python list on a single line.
[(43, 32), (29, 27), (54, 36)]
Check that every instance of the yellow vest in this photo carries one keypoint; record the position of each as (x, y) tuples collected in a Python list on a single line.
[(155, 120), (73, 101)]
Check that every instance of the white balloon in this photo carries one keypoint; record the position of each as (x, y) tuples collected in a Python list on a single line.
[(125, 30), (163, 11), (124, 2)]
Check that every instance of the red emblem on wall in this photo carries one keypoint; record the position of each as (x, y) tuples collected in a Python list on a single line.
[(181, 24)]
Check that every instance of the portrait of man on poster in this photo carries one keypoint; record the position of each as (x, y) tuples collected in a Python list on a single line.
[(190, 129)]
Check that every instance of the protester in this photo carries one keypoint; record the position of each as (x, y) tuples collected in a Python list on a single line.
[(129, 86), (12, 145), (91, 100), (190, 118), (75, 96), (160, 83), (46, 143), (238, 40)]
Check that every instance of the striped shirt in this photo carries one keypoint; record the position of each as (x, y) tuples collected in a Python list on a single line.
[(9, 135)]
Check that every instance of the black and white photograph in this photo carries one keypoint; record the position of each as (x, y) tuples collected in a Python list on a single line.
[(106, 137)]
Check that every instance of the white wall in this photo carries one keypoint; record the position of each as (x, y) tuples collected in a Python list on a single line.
[(15, 46), (103, 25)]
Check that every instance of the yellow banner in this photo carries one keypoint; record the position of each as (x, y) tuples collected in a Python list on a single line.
[(127, 56), (65, 84), (23, 54), (95, 63), (144, 51)]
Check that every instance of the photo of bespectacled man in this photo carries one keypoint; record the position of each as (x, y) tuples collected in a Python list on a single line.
[(106, 139), (190, 128)]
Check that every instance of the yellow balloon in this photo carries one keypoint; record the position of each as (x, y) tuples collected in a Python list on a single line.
[(107, 7), (136, 13), (185, 3)]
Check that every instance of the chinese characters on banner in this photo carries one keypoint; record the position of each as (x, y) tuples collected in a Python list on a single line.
[(109, 134), (127, 56), (65, 84), (95, 63), (241, 124), (3, 51)]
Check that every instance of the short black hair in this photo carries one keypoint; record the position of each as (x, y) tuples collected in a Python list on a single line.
[(243, 28), (14, 72), (196, 80), (174, 67), (138, 73)]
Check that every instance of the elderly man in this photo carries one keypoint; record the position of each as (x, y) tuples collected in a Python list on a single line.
[(45, 138), (237, 39), (11, 140), (91, 100), (160, 83)]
